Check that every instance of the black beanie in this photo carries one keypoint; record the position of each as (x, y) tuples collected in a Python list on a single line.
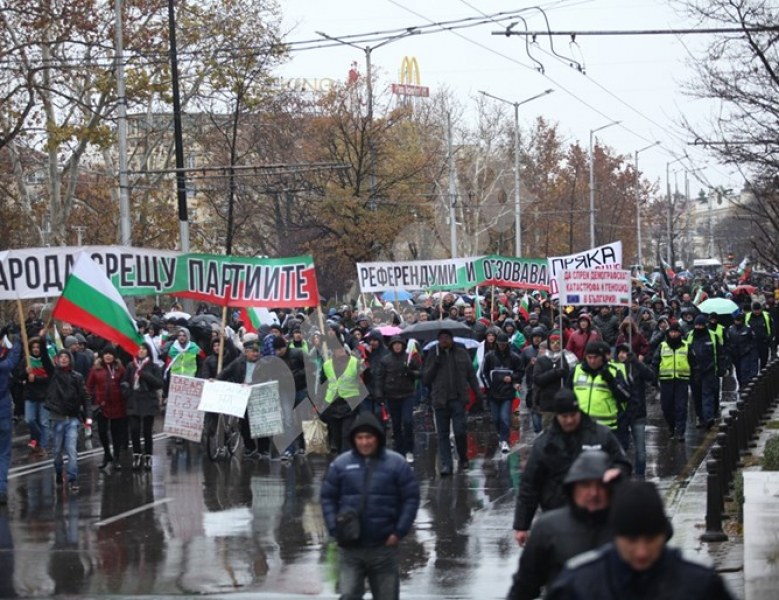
[(634, 498), (565, 402)]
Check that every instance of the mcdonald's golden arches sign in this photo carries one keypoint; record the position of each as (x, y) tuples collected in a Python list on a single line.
[(409, 80)]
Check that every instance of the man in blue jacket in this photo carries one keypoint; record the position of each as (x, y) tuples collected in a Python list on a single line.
[(382, 488)]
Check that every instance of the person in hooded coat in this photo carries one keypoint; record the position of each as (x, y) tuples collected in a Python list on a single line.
[(551, 371), (502, 377), (583, 335), (396, 386), (630, 334), (109, 407), (381, 488)]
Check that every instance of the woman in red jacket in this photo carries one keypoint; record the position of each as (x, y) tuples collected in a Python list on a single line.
[(584, 333), (638, 343), (109, 406)]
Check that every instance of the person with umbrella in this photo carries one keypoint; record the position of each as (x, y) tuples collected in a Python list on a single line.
[(448, 371)]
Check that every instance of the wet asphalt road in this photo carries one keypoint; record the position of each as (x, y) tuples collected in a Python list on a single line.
[(193, 527)]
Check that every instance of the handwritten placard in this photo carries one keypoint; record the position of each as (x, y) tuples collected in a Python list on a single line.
[(224, 397), (182, 417), (264, 409)]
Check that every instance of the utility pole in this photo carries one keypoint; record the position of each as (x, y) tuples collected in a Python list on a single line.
[(181, 177), (670, 255), (125, 230), (638, 203), (517, 206), (592, 182), (452, 188)]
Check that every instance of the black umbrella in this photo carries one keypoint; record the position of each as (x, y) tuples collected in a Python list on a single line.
[(204, 320), (427, 331)]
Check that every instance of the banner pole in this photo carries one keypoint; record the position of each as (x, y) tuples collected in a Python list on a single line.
[(321, 319), (222, 339), (23, 331)]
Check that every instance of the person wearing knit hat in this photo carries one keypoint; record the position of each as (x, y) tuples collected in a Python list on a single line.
[(673, 363), (554, 452), (559, 535), (639, 563)]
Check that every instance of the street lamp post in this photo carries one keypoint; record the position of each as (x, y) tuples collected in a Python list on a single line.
[(638, 203), (368, 50), (592, 182), (517, 210), (669, 219)]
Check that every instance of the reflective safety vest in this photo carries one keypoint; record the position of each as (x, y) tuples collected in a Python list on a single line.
[(766, 318), (719, 331), (184, 363), (674, 364), (345, 386), (594, 395), (714, 341)]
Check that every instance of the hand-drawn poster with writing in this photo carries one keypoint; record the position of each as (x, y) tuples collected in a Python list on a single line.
[(264, 408), (182, 417), (224, 397)]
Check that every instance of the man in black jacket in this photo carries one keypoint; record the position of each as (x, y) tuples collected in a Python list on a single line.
[(638, 565), (296, 362), (502, 376), (397, 377), (448, 371), (553, 454), (561, 534), (68, 404)]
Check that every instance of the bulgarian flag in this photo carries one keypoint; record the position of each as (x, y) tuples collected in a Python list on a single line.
[(524, 306), (744, 270), (253, 318), (91, 301)]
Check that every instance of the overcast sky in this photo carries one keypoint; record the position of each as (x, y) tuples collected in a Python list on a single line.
[(633, 79)]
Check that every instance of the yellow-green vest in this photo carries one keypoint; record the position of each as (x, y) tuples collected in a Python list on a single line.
[(345, 386), (594, 395), (766, 318), (714, 341), (674, 364), (719, 331), (185, 363)]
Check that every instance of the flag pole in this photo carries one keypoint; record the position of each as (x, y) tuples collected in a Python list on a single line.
[(222, 339), (321, 319), (23, 331)]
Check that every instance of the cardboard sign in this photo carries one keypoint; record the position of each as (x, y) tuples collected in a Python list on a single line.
[(264, 410), (604, 257), (182, 417), (224, 397)]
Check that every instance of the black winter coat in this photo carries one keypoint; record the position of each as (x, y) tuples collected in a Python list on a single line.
[(501, 361), (741, 341), (550, 458), (397, 376), (392, 492), (144, 401), (295, 360), (556, 537), (603, 575), (448, 375), (548, 377), (66, 394), (638, 376)]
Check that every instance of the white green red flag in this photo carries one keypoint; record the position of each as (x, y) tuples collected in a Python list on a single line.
[(91, 301), (255, 317)]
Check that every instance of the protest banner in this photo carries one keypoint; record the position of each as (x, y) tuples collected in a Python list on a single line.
[(227, 280), (604, 287), (454, 273), (264, 410), (608, 256), (224, 397), (182, 417)]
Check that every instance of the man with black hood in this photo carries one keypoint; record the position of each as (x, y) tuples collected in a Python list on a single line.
[(528, 359), (559, 535), (395, 387), (448, 372), (709, 365), (502, 376), (375, 350), (765, 329), (638, 564), (379, 490), (742, 347), (552, 455)]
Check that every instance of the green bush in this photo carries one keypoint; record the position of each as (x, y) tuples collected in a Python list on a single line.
[(738, 494), (771, 454)]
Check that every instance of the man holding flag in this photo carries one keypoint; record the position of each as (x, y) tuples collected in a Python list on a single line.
[(88, 300)]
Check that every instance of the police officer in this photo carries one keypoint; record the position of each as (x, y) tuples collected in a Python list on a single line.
[(673, 363), (704, 384), (763, 326)]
